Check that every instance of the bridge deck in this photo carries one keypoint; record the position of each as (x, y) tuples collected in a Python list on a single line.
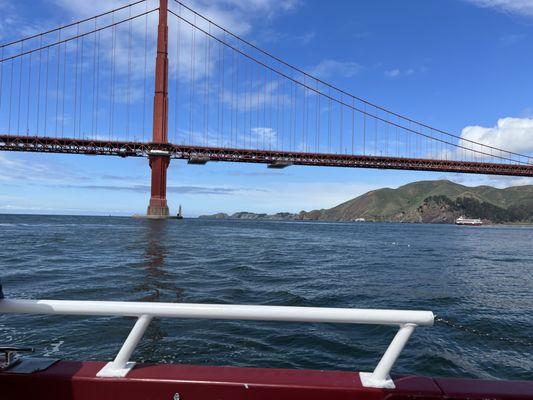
[(139, 149)]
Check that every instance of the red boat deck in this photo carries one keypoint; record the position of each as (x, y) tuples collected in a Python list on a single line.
[(77, 380)]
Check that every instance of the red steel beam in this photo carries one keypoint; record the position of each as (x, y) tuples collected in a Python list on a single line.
[(140, 149)]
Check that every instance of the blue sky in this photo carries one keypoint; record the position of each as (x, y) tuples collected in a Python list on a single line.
[(453, 64)]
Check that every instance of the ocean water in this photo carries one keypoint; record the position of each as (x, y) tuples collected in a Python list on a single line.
[(477, 280)]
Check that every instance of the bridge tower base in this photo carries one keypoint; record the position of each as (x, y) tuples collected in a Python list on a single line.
[(158, 208)]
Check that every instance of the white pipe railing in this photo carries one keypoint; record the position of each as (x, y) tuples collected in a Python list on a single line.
[(406, 320)]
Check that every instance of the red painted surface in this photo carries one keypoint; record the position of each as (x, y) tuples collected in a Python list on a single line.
[(77, 380), (485, 389), (159, 164)]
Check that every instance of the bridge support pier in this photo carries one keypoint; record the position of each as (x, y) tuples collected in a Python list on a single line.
[(158, 208)]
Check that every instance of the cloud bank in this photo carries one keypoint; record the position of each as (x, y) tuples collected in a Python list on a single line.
[(512, 134)]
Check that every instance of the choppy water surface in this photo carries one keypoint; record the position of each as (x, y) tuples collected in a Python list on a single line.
[(479, 281)]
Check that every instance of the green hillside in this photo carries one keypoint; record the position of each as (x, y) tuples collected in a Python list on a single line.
[(426, 201), (434, 201)]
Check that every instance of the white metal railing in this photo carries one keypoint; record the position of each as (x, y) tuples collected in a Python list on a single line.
[(406, 320)]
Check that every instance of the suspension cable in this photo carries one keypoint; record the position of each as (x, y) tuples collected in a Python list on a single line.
[(59, 42), (342, 103), (69, 25), (410, 120)]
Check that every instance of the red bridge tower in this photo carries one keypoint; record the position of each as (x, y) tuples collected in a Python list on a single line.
[(158, 207)]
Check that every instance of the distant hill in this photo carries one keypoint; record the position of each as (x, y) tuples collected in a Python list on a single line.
[(439, 201)]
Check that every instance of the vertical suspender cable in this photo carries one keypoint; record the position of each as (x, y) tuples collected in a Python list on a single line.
[(245, 109), (364, 129), (112, 85), (94, 81), (353, 125), (145, 67), (129, 80), (191, 87), (57, 82), (278, 114), (250, 106), (80, 115), (178, 63), (237, 101), (397, 138), (304, 117), (38, 86), (206, 86), (76, 83), (232, 98), (329, 121), (258, 92), (63, 91), (341, 122), (1, 79), (220, 93), (293, 117), (318, 108), (28, 98), (283, 108), (97, 86), (46, 91), (20, 86), (264, 108), (10, 94), (375, 136), (387, 135)]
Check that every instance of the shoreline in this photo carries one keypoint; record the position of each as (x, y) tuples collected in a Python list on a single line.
[(359, 222), (137, 217)]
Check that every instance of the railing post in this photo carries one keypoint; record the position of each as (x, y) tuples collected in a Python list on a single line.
[(380, 378), (120, 367)]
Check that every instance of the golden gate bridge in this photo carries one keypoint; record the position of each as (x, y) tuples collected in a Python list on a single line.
[(83, 88)]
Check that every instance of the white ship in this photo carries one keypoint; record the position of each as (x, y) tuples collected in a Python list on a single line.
[(462, 220)]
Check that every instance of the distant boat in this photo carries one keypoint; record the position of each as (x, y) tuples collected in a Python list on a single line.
[(462, 220), (359, 220), (179, 215)]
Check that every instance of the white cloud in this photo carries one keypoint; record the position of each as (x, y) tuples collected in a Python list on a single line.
[(330, 68), (129, 55), (521, 7), (264, 133), (497, 181), (512, 134), (397, 72), (236, 15), (16, 169)]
